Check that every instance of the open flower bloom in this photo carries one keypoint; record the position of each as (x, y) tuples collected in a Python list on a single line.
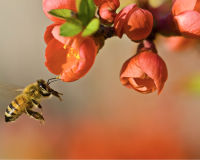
[(135, 22), (187, 17), (69, 57), (146, 71)]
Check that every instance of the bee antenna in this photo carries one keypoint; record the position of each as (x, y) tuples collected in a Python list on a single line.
[(48, 82)]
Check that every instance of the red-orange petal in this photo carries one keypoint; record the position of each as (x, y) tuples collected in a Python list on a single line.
[(48, 33), (55, 56), (153, 65), (179, 43), (182, 5), (87, 52), (107, 14), (74, 41), (70, 63), (100, 2), (135, 22), (132, 76), (188, 23), (121, 17), (58, 4), (139, 24)]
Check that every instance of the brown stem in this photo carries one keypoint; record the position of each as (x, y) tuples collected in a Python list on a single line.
[(105, 31)]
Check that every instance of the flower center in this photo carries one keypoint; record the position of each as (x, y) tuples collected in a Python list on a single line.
[(72, 52), (144, 76)]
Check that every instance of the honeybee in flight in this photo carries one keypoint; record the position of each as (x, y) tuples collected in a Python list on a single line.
[(31, 97)]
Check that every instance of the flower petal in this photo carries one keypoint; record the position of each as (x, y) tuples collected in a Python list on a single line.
[(68, 62), (87, 52), (188, 23), (100, 2), (139, 25), (181, 5), (132, 76), (179, 43), (107, 13), (58, 4), (135, 22), (197, 6), (48, 35), (56, 56), (74, 41), (153, 65), (121, 17)]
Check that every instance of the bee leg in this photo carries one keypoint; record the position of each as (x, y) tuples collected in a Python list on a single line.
[(38, 105), (56, 94), (35, 115)]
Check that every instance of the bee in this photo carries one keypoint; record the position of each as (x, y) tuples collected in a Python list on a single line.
[(31, 97)]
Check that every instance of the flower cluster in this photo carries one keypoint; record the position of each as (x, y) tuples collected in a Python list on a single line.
[(77, 35)]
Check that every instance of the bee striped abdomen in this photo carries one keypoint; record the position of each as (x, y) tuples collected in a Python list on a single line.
[(12, 111)]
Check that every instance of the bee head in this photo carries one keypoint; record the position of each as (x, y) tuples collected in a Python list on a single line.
[(46, 90), (44, 87)]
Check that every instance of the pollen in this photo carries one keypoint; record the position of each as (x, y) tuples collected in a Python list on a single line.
[(65, 46), (75, 53), (78, 56)]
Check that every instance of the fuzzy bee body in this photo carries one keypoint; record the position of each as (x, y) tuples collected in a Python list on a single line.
[(31, 97)]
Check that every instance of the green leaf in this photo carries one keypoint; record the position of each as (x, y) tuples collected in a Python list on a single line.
[(78, 2), (86, 11), (91, 28), (72, 27), (61, 13)]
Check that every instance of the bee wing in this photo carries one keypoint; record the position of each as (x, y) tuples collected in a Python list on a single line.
[(8, 90)]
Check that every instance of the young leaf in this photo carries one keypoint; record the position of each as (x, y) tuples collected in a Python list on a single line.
[(91, 28), (78, 2), (61, 13), (72, 27), (86, 11)]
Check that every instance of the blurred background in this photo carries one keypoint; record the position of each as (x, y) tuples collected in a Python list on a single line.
[(99, 117)]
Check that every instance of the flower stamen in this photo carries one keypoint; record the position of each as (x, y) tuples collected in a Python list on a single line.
[(65, 46), (144, 76)]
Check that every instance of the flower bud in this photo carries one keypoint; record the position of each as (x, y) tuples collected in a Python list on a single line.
[(107, 13), (180, 6), (146, 71), (135, 22), (188, 23), (187, 17)]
